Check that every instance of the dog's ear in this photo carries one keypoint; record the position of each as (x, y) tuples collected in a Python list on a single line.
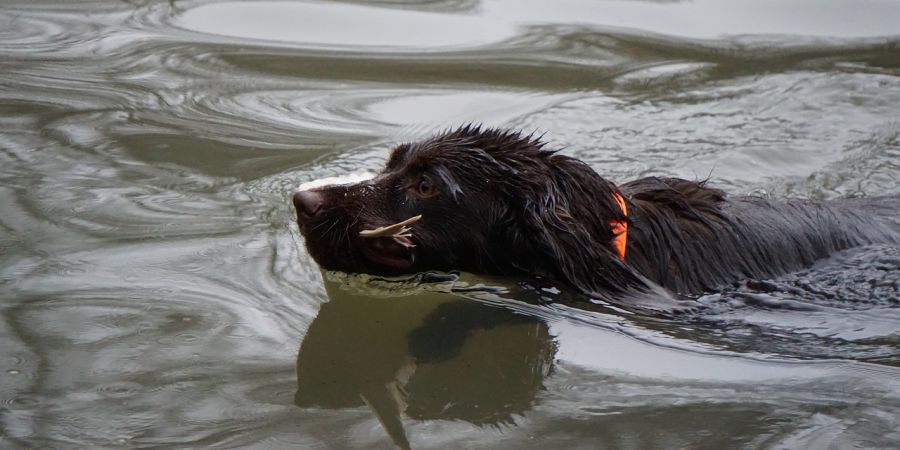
[(566, 217), (566, 249)]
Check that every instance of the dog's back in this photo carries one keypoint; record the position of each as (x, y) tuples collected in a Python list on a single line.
[(692, 238)]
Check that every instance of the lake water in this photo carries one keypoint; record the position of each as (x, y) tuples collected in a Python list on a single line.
[(155, 292)]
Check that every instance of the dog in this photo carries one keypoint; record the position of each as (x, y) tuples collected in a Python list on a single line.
[(498, 202)]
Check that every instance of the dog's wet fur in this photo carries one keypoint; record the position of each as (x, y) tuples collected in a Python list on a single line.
[(499, 202)]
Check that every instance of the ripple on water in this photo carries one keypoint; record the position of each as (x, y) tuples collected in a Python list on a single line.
[(747, 132), (341, 25), (25, 36), (171, 352), (120, 389), (326, 25), (843, 307), (690, 414)]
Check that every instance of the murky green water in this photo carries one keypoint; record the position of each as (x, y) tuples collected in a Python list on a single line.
[(154, 290)]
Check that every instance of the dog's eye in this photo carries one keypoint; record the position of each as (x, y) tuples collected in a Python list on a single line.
[(425, 188)]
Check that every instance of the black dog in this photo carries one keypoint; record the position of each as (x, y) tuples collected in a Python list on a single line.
[(496, 202)]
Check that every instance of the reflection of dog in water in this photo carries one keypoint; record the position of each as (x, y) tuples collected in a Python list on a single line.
[(495, 202), (429, 356)]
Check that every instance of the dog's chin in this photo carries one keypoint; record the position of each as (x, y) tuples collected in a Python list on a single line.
[(395, 255)]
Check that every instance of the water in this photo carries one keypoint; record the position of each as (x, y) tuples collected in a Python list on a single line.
[(155, 292)]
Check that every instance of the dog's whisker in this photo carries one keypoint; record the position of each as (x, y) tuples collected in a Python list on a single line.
[(334, 223), (316, 228)]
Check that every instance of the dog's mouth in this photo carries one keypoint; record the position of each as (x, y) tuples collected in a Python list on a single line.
[(391, 245)]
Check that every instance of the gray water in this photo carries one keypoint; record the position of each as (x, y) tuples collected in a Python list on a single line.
[(155, 292)]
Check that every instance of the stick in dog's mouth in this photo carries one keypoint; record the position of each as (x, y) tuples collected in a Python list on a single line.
[(399, 231)]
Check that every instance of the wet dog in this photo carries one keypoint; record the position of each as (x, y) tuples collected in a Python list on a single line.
[(498, 202)]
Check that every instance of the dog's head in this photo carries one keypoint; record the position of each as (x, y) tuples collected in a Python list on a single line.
[(471, 199)]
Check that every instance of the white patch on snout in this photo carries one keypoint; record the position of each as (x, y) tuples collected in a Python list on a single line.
[(350, 178)]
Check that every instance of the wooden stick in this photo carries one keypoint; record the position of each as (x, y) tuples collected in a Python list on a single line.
[(397, 229)]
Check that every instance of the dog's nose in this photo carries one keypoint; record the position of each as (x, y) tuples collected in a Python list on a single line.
[(308, 203)]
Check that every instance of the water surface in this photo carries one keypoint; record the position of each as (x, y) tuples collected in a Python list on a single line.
[(154, 290)]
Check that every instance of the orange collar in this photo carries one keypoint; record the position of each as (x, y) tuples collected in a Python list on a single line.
[(620, 227)]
